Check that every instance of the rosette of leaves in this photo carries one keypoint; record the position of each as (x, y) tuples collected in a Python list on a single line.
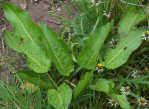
[(41, 45)]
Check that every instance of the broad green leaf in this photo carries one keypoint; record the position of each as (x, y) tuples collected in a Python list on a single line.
[(129, 39), (59, 52), (88, 56), (102, 85), (132, 17), (37, 79), (122, 101), (126, 45), (83, 83), (26, 37), (60, 98)]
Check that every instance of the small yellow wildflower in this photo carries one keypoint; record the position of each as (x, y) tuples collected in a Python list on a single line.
[(141, 0), (146, 68), (127, 87), (142, 99), (147, 32), (99, 65)]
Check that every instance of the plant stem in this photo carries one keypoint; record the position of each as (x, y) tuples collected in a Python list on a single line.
[(76, 72), (53, 82)]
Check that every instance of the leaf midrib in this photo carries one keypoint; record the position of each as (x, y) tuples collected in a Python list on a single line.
[(59, 62), (22, 24), (135, 17), (60, 97), (128, 44), (94, 54), (117, 54)]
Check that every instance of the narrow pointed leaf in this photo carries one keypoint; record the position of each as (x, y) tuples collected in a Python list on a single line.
[(129, 39), (60, 98), (88, 56), (126, 45), (82, 83), (132, 17), (59, 52), (26, 37)]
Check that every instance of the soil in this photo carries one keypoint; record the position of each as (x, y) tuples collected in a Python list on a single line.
[(38, 9)]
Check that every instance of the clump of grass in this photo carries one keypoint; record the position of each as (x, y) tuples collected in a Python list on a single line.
[(18, 95)]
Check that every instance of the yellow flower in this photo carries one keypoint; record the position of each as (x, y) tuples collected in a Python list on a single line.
[(146, 68), (147, 32), (127, 87), (142, 99), (99, 65)]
